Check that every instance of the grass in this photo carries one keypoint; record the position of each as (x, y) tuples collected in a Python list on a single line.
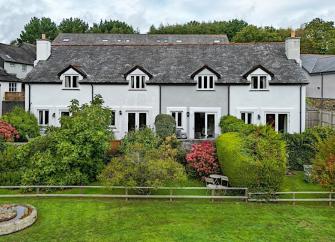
[(117, 220), (296, 183)]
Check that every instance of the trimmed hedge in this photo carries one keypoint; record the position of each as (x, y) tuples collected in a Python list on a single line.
[(256, 160), (165, 125), (233, 124)]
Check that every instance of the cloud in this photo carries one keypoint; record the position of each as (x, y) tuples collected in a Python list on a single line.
[(142, 13)]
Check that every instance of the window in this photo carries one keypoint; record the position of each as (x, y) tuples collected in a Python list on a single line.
[(258, 82), (113, 123), (65, 114), (178, 117), (11, 64), (24, 68), (278, 121), (137, 82), (247, 117), (12, 87), (43, 117), (71, 82), (206, 82)]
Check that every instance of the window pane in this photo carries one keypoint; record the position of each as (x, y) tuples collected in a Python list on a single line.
[(262, 82), (243, 116), (282, 123), (179, 124), (67, 81), (143, 81), (210, 125), (46, 118), (113, 118), (199, 82), (254, 82), (137, 82), (132, 82), (40, 117), (205, 82), (74, 81), (211, 82), (249, 121), (173, 115), (131, 121), (66, 114), (143, 120), (271, 120)]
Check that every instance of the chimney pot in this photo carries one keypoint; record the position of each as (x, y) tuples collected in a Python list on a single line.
[(44, 36), (293, 33)]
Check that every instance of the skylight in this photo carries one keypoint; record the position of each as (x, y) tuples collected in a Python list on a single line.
[(8, 57), (66, 40)]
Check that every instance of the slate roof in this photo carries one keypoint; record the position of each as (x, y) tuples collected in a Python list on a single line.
[(5, 77), (24, 54), (316, 64), (137, 39), (169, 64)]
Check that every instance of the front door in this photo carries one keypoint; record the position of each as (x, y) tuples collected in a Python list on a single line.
[(204, 125), (136, 120)]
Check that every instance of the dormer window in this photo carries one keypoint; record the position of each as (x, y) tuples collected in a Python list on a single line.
[(259, 82), (205, 82), (137, 82), (71, 82)]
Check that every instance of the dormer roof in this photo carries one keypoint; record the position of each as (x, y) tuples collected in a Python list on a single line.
[(203, 68), (254, 68), (139, 68), (77, 68)]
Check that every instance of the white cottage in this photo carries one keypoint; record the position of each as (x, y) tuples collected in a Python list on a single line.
[(195, 78)]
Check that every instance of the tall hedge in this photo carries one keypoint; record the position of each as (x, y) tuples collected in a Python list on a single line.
[(256, 160), (165, 125), (232, 124)]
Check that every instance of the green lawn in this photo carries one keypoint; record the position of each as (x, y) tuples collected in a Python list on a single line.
[(296, 183), (117, 220)]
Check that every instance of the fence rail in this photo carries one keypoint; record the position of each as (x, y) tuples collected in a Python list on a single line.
[(319, 117), (218, 193)]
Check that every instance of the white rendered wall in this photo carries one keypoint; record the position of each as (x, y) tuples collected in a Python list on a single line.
[(16, 69), (278, 99)]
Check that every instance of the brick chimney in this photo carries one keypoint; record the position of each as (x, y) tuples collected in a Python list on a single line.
[(43, 49), (292, 48)]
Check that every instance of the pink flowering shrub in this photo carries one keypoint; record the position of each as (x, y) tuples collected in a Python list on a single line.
[(202, 159), (8, 132)]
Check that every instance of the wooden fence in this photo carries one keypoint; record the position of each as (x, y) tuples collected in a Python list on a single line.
[(172, 193), (319, 117)]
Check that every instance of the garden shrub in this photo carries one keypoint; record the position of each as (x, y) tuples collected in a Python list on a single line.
[(256, 160), (74, 153), (8, 132), (301, 148), (25, 123), (233, 124), (11, 169), (202, 159), (323, 170), (165, 125), (143, 137)]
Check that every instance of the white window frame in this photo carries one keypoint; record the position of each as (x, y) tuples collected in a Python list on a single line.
[(43, 123), (71, 78), (113, 126), (205, 79), (277, 119), (176, 118), (246, 116), (137, 82), (12, 87), (259, 83), (24, 68)]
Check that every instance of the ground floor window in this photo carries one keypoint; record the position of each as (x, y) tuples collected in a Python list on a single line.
[(278, 121), (178, 117), (113, 120), (43, 117), (136, 120), (65, 114), (247, 117), (204, 125)]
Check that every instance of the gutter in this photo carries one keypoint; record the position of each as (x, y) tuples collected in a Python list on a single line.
[(300, 111), (29, 100), (160, 99), (92, 93), (228, 99), (322, 90)]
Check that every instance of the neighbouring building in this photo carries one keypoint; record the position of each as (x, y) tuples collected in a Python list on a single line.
[(320, 71), (15, 63), (195, 78)]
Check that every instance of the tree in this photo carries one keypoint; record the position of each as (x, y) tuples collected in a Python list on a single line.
[(73, 25), (253, 33), (112, 27), (318, 37), (36, 27)]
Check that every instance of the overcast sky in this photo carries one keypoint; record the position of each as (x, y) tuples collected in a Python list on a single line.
[(14, 14)]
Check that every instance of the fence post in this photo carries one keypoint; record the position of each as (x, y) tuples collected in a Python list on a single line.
[(126, 193), (330, 197), (293, 193), (246, 195), (37, 190), (171, 192), (213, 194)]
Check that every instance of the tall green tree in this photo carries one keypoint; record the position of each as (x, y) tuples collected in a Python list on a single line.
[(253, 33), (113, 27), (36, 27), (73, 25), (318, 37)]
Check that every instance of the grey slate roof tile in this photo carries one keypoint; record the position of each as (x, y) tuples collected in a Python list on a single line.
[(24, 54), (315, 64), (5, 77)]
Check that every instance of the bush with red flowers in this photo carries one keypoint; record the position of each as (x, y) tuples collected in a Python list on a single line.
[(202, 159), (8, 132)]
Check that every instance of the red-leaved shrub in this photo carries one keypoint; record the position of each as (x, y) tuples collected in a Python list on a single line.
[(202, 159), (8, 132)]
